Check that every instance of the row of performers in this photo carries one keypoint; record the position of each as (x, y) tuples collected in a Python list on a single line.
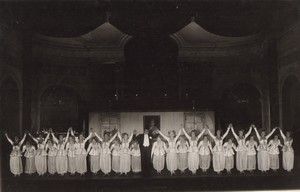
[(123, 155)]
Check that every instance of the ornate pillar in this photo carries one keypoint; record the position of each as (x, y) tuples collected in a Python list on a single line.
[(20, 114), (266, 110), (28, 72)]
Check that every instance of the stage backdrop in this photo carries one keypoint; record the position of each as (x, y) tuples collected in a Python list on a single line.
[(165, 121)]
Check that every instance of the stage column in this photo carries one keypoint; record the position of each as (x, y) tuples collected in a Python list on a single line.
[(28, 73), (266, 111)]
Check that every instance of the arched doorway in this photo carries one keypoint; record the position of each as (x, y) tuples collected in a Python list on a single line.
[(151, 68), (291, 104), (59, 109), (9, 117), (10, 106), (241, 106)]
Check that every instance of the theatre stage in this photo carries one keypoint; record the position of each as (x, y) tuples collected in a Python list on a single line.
[(179, 182)]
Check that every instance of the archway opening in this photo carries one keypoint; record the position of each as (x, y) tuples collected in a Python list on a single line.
[(10, 106), (241, 106), (291, 104), (9, 117), (60, 109), (151, 68)]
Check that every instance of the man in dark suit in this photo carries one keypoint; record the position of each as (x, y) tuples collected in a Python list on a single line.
[(145, 142)]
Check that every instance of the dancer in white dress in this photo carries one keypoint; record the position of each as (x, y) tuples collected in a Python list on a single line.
[(218, 150), (241, 150), (229, 148), (41, 154), (29, 151), (115, 149), (251, 154), (94, 150), (136, 164), (105, 153), (274, 152), (263, 158), (158, 154), (125, 161), (288, 152), (205, 150), (61, 155), (193, 154), (15, 161), (171, 151), (182, 147), (52, 151), (71, 151), (81, 166)]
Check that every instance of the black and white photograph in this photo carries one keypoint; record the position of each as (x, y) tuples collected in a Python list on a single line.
[(149, 95)]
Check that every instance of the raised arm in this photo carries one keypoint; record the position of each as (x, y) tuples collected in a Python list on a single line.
[(153, 148), (46, 139), (269, 135), (257, 134), (270, 143), (67, 145), (100, 139), (67, 137), (211, 135), (23, 139), (185, 133), (112, 147), (226, 133), (187, 144), (24, 149), (200, 135), (249, 132), (113, 138), (130, 137), (72, 132), (89, 148), (234, 134), (165, 137), (8, 139), (282, 135), (279, 143), (119, 136), (86, 139), (178, 135), (54, 138), (33, 138)]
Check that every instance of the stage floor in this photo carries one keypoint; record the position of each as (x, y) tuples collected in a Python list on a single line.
[(180, 182)]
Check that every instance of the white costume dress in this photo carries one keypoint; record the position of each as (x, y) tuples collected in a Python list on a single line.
[(94, 152), (15, 161), (218, 152), (158, 155), (125, 161), (193, 153), (288, 153), (61, 155)]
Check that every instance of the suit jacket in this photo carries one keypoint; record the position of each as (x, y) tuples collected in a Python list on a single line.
[(140, 140)]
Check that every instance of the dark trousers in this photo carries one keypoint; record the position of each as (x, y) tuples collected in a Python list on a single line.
[(146, 160)]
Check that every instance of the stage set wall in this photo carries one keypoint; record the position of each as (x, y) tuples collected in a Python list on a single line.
[(130, 121)]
